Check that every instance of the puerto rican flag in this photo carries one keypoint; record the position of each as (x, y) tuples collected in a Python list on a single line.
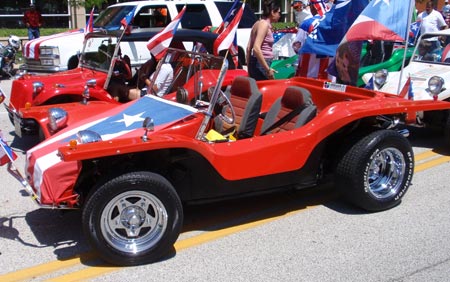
[(381, 20), (90, 23), (322, 6), (407, 90), (6, 153), (128, 18), (51, 177), (2, 96), (226, 37), (312, 65), (159, 43)]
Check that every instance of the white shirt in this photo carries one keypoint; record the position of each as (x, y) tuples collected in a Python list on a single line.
[(164, 79), (431, 22)]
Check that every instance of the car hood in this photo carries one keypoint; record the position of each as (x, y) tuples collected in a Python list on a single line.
[(51, 177), (31, 48), (71, 81), (420, 73)]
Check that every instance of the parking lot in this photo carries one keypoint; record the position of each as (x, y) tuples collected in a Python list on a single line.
[(308, 235)]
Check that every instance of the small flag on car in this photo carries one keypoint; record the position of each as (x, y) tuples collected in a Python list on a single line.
[(6, 153)]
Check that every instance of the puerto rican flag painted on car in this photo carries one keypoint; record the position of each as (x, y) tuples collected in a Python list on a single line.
[(50, 176), (31, 48)]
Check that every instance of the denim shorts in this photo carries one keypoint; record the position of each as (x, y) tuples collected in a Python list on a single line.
[(256, 70)]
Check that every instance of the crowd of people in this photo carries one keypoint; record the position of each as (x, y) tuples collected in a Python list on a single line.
[(307, 14), (260, 45)]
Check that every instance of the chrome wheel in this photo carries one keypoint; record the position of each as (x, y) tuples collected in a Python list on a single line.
[(134, 221), (386, 173)]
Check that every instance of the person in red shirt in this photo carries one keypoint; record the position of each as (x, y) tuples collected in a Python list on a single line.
[(33, 21)]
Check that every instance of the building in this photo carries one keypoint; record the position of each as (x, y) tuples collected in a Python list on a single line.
[(62, 14)]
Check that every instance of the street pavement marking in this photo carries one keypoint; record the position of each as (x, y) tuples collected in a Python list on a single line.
[(42, 269), (423, 161), (429, 159)]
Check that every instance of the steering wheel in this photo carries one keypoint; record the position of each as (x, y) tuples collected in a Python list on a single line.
[(224, 104)]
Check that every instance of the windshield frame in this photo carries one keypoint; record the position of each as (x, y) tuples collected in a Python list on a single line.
[(430, 48)]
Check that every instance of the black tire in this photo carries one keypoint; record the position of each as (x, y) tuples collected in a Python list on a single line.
[(73, 62), (447, 129), (150, 213), (376, 171)]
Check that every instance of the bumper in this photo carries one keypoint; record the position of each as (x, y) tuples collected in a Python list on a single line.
[(22, 126), (40, 68), (29, 190)]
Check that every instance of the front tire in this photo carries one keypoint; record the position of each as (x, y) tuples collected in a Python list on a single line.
[(376, 171), (133, 219)]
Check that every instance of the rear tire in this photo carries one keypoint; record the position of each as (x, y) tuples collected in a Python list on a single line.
[(376, 171), (133, 219)]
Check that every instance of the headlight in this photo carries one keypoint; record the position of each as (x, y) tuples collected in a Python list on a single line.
[(88, 136), (435, 84), (57, 119), (379, 78), (49, 51), (37, 88)]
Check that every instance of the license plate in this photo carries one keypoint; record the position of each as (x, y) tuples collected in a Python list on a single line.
[(17, 127), (335, 86)]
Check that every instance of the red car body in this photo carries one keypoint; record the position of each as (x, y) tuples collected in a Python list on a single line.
[(131, 167), (30, 90)]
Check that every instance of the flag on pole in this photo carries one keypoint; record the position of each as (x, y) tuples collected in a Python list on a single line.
[(380, 20), (327, 32), (321, 6), (159, 43), (128, 18), (227, 18), (90, 23), (2, 96), (226, 37), (6, 153), (407, 91)]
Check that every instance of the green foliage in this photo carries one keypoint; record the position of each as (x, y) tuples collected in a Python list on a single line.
[(279, 25), (22, 32), (87, 3)]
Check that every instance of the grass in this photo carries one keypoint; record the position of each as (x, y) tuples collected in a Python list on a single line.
[(23, 32)]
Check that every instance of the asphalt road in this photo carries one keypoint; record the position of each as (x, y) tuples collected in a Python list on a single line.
[(308, 235)]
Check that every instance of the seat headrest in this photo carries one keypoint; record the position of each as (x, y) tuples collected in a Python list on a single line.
[(242, 86), (293, 97)]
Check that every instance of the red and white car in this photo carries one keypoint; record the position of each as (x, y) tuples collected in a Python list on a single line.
[(131, 168), (91, 77)]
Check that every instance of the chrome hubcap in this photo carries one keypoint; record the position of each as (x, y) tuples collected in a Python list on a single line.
[(134, 221), (386, 173)]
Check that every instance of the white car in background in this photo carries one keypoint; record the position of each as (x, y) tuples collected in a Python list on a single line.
[(60, 51), (429, 72), (429, 69)]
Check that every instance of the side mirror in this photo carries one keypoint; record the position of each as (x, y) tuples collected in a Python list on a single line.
[(148, 125), (91, 83)]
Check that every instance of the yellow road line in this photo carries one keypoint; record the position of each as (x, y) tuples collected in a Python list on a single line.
[(432, 163), (28, 273), (95, 271), (424, 155)]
